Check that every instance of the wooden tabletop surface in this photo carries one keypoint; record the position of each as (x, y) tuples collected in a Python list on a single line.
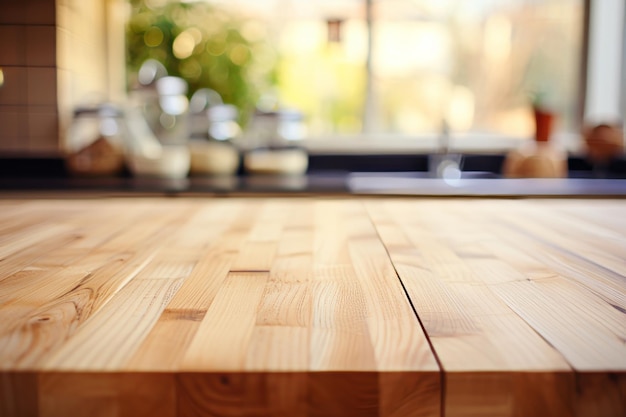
[(312, 307)]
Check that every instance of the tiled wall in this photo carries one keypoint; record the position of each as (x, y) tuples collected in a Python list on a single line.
[(28, 95), (54, 55)]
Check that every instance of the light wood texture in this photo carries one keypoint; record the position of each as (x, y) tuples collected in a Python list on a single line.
[(312, 307), (521, 301), (207, 307)]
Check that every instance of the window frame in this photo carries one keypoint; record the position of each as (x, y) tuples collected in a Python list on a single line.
[(604, 48)]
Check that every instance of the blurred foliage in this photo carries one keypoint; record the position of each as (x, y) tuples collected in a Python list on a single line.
[(204, 45)]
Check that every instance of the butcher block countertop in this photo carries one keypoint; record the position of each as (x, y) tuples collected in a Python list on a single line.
[(315, 307)]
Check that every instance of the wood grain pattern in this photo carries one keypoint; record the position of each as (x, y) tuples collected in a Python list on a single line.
[(497, 288), (19, 394), (107, 394), (312, 307)]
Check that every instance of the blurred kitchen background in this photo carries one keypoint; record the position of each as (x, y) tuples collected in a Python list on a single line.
[(344, 76)]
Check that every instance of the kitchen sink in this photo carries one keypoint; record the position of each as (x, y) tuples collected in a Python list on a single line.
[(478, 183)]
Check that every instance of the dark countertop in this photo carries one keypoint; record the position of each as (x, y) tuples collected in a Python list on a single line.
[(327, 183), (328, 174)]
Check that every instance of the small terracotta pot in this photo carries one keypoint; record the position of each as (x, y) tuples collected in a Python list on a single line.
[(544, 122)]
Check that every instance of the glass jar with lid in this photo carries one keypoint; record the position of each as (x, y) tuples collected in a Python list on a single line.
[(95, 141), (272, 140)]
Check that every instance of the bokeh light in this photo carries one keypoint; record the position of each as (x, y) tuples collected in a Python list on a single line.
[(153, 36), (184, 45)]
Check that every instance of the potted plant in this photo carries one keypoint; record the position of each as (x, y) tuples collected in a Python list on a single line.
[(202, 43), (544, 115)]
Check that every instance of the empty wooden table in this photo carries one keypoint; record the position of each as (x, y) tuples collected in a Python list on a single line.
[(312, 307)]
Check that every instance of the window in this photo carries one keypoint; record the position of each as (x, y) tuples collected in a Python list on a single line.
[(399, 68)]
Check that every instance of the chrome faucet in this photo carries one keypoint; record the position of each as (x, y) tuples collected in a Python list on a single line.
[(443, 164)]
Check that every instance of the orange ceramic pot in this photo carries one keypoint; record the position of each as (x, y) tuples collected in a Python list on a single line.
[(544, 122)]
